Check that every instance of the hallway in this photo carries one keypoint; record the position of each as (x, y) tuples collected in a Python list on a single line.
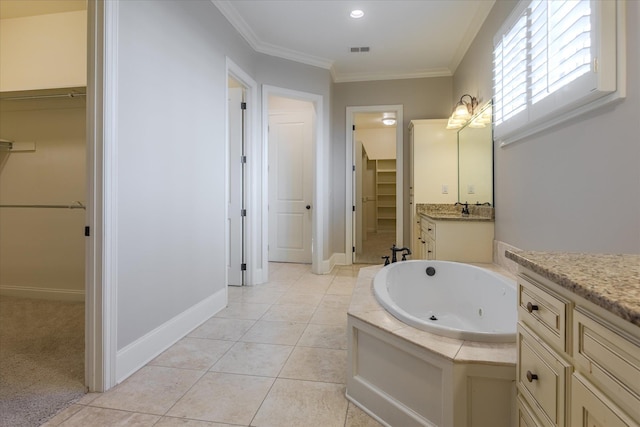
[(274, 357), (374, 247)]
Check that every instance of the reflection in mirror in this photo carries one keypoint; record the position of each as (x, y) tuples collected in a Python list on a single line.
[(475, 159)]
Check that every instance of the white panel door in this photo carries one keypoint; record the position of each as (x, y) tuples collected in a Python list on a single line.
[(290, 187)]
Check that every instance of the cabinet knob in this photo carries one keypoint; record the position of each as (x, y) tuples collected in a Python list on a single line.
[(429, 229), (531, 307), (531, 376)]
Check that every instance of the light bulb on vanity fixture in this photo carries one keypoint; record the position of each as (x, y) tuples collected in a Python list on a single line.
[(462, 112)]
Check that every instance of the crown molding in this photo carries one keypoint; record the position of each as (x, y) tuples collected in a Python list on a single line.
[(258, 45), (229, 12), (360, 77)]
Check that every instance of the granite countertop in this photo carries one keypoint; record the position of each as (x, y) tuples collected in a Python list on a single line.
[(609, 281), (455, 217), (450, 212)]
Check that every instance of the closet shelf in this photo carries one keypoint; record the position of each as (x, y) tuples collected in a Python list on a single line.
[(25, 95), (386, 194), (73, 205)]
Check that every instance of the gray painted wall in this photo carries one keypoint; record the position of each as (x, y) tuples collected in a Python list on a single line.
[(428, 98), (171, 137), (575, 187)]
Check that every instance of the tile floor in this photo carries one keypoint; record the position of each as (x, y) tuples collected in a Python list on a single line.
[(274, 357)]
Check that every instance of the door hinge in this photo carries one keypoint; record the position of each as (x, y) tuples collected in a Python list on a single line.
[(354, 127), (87, 231), (243, 267), (243, 212), (243, 105), (353, 168), (353, 208), (353, 249), (243, 159)]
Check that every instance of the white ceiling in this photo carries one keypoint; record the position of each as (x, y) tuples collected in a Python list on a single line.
[(407, 38)]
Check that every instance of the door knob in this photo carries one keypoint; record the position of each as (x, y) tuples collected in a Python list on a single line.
[(308, 207)]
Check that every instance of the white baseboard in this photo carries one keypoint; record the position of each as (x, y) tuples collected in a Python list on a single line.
[(43, 293), (143, 350), (335, 259)]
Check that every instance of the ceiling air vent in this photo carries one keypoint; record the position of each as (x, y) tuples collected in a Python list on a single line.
[(360, 49)]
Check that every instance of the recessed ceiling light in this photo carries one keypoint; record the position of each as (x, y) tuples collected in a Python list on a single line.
[(357, 13)]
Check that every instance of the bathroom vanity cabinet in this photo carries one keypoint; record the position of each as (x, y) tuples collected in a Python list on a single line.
[(454, 239), (578, 347)]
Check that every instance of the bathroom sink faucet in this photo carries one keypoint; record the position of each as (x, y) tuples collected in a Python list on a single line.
[(465, 207)]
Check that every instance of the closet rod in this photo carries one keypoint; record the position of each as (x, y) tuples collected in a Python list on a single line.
[(62, 95), (74, 205)]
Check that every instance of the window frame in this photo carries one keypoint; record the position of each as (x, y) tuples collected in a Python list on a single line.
[(590, 91)]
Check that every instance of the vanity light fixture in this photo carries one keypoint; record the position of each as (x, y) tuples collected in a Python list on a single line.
[(462, 111), (356, 14)]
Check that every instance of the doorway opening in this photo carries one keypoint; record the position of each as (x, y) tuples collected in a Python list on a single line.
[(318, 198), (374, 181), (236, 181), (243, 231)]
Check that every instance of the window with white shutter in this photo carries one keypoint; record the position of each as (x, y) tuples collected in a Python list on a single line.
[(554, 60)]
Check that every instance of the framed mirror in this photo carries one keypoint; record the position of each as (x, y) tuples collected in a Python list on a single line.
[(475, 158)]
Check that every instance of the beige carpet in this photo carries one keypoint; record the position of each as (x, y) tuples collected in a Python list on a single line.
[(41, 359)]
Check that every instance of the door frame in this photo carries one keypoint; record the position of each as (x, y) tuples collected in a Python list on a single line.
[(319, 147), (256, 272), (351, 181), (102, 185)]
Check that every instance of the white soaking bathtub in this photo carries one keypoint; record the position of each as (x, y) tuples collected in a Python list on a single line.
[(451, 299), (405, 376)]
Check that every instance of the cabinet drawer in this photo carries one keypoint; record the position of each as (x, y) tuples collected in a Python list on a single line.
[(428, 228), (525, 415), (429, 249), (542, 378), (609, 358), (590, 408), (545, 312)]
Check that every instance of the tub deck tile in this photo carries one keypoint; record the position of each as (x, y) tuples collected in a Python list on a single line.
[(365, 307), (490, 353)]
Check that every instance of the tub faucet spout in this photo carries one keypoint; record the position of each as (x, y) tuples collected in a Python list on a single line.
[(394, 251)]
